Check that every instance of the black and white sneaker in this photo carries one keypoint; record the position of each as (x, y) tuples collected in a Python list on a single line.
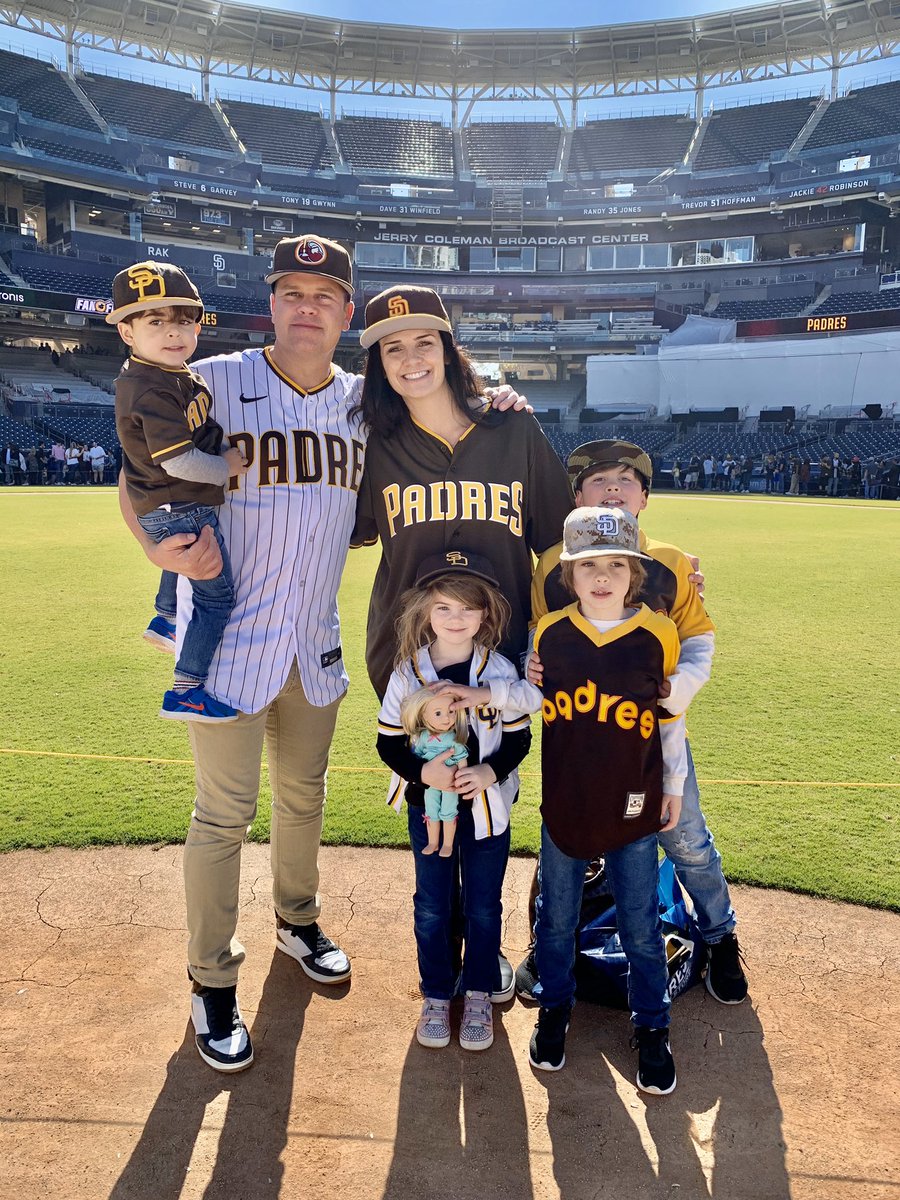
[(221, 1036), (319, 957), (527, 976), (547, 1051), (656, 1066), (507, 988), (725, 978)]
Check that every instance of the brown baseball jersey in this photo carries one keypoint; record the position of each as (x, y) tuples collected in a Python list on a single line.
[(601, 753), (162, 413), (501, 491)]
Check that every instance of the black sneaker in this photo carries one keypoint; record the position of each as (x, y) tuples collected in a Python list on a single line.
[(547, 1051), (221, 1036), (725, 978), (527, 976), (656, 1066), (319, 957)]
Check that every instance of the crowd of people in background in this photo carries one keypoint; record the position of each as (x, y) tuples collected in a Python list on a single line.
[(791, 475), (87, 464)]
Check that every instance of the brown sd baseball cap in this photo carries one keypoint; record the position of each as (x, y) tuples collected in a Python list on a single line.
[(149, 285), (592, 532), (452, 562), (608, 453), (403, 307), (312, 255)]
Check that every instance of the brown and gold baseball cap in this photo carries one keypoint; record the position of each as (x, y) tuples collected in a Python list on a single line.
[(608, 453), (149, 285), (451, 562), (403, 307), (312, 255), (592, 532)]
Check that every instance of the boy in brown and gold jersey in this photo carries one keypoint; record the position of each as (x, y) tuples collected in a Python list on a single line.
[(174, 468)]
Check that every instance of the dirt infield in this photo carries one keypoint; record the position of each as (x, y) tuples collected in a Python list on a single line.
[(792, 1094)]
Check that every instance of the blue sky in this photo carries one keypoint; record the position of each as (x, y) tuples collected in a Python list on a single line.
[(499, 14)]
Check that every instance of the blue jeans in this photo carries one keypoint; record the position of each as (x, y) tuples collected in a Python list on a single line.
[(482, 864), (698, 864), (166, 602), (633, 875), (213, 598)]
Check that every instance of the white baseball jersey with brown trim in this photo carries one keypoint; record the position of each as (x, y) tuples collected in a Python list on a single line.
[(286, 524)]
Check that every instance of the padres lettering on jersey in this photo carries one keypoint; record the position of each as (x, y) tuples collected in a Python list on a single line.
[(286, 525), (446, 500), (601, 757)]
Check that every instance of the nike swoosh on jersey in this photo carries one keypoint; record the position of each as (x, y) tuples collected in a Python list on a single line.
[(250, 399)]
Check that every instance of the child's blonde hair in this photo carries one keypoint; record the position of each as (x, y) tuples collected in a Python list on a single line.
[(635, 566), (414, 625), (412, 714)]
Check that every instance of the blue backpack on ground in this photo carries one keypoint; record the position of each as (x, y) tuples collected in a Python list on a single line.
[(601, 968)]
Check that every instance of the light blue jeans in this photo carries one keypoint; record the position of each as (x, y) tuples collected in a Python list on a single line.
[(692, 851)]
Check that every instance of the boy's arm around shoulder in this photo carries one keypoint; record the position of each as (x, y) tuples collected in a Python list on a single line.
[(696, 631), (514, 696), (671, 728)]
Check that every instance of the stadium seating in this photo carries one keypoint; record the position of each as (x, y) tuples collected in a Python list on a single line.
[(512, 149), (54, 274), (736, 136), (846, 302), (872, 112), (155, 112), (630, 144), (409, 147), (78, 424), (32, 373), (761, 310), (549, 394), (42, 91), (289, 137), (71, 153)]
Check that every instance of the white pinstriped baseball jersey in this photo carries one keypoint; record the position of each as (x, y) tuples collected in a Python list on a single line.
[(287, 527)]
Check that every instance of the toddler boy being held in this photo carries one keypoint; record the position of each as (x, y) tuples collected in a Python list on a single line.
[(175, 470)]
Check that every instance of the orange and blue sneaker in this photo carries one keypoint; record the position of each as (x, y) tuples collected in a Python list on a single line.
[(195, 705), (161, 634)]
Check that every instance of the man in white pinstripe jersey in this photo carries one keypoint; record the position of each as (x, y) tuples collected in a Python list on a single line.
[(287, 525)]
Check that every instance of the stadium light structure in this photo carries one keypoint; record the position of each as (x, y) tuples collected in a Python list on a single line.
[(770, 41)]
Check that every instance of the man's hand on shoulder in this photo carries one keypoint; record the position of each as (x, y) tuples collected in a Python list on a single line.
[(504, 397), (185, 554)]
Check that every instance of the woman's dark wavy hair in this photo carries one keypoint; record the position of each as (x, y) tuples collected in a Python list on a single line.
[(383, 409)]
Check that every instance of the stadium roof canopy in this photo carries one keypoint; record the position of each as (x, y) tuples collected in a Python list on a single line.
[(771, 41)]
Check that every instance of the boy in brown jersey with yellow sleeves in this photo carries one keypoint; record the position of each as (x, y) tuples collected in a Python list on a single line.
[(174, 468)]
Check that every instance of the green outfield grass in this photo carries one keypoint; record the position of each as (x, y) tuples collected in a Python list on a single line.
[(804, 691)]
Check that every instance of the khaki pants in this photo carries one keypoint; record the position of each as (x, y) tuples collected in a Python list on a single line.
[(227, 762)]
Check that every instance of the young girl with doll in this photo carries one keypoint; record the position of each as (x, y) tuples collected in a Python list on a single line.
[(450, 622)]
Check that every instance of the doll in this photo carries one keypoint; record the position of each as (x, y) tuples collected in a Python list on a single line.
[(434, 731)]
